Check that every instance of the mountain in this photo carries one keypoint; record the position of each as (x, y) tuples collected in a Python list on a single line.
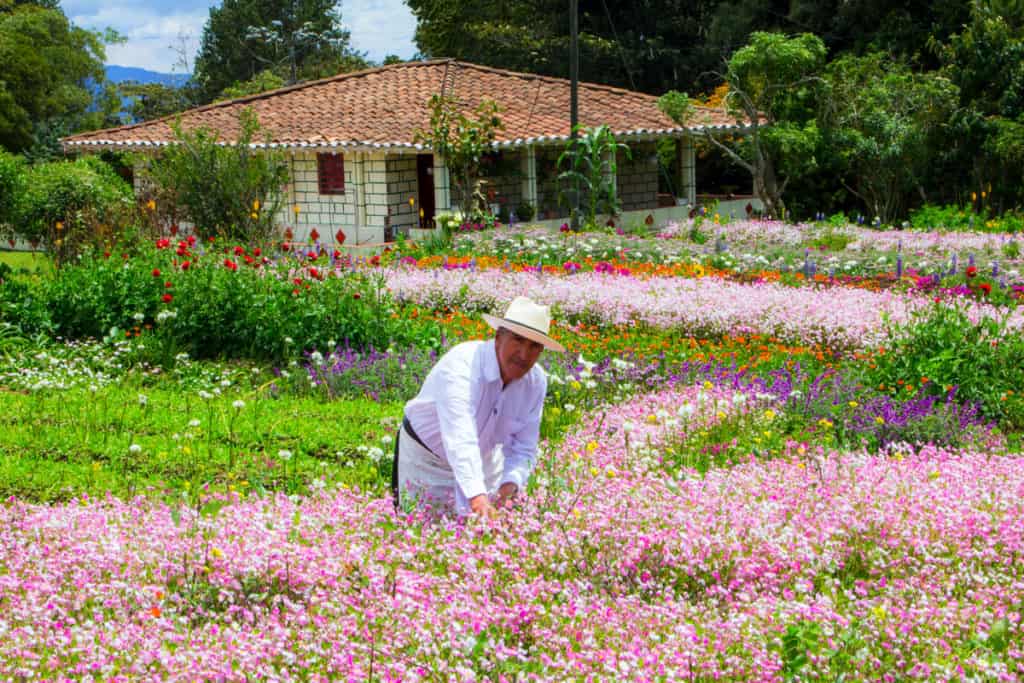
[(118, 74)]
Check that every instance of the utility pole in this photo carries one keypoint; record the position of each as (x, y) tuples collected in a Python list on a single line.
[(574, 114)]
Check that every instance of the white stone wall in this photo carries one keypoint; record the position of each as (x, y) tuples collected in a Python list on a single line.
[(637, 177), (403, 185)]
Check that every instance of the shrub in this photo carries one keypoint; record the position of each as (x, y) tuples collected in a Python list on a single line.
[(22, 309), (229, 191), (12, 168), (942, 351), (65, 206), (222, 307)]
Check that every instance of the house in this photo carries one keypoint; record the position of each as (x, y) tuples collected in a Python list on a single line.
[(356, 165)]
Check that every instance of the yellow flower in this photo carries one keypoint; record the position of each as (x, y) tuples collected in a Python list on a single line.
[(255, 205), (853, 404), (254, 215), (652, 419), (878, 611), (594, 471), (59, 226), (974, 196), (151, 205), (187, 450), (708, 385), (720, 415), (217, 554), (880, 420), (801, 450), (609, 471), (591, 447), (769, 414), (576, 513), (576, 455), (824, 423), (698, 270), (296, 209), (412, 201), (575, 385)]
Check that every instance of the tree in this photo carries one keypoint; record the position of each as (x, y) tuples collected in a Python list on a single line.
[(880, 118), (153, 100), (461, 142), (46, 64), (261, 82), (772, 92), (646, 45), (225, 190), (296, 39)]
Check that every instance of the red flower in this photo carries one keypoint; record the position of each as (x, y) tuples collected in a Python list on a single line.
[(357, 295), (337, 254), (174, 229), (971, 271), (288, 234), (314, 235), (285, 246), (248, 259), (166, 298), (256, 251), (375, 261), (986, 288), (168, 284), (230, 265), (211, 238), (315, 273), (295, 292), (185, 265), (297, 280), (191, 239), (106, 254), (156, 272), (163, 243), (311, 255), (340, 236), (239, 251)]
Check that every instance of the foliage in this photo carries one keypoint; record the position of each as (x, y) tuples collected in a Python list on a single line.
[(224, 190), (461, 141), (65, 206), (773, 89), (296, 39), (261, 82), (677, 106), (154, 100), (46, 64), (880, 119), (590, 162), (944, 351), (12, 168)]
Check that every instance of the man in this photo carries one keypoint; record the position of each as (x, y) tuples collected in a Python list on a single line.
[(472, 430)]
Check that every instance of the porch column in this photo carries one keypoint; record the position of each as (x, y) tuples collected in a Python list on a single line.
[(687, 161), (359, 194), (528, 166), (442, 186)]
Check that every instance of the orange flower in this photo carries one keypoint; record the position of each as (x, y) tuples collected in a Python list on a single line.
[(154, 611)]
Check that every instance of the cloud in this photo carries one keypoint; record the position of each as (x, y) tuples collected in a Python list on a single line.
[(157, 31)]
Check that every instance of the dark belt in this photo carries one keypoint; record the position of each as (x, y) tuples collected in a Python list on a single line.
[(394, 463)]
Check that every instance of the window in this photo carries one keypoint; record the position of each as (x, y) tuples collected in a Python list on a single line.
[(330, 172)]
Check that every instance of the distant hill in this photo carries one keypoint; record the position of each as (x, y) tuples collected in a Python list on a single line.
[(119, 74)]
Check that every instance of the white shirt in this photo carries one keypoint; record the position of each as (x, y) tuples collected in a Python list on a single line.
[(462, 411)]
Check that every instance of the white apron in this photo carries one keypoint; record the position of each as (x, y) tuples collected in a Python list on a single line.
[(427, 479)]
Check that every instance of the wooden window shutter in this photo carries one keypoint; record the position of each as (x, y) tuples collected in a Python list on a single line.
[(330, 171)]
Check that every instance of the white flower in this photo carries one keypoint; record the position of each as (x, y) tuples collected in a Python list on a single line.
[(164, 316), (225, 383), (386, 439), (627, 427), (205, 395), (590, 384), (143, 399), (135, 449), (587, 365), (284, 455), (193, 423), (375, 454), (239, 404), (139, 317), (316, 357), (738, 399), (685, 410), (288, 340), (569, 407), (331, 343)]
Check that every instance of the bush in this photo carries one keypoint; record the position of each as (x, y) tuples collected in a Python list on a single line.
[(22, 309), (12, 168), (222, 307), (65, 206), (944, 352), (228, 191)]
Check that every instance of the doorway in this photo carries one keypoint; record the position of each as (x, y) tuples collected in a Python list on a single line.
[(425, 185)]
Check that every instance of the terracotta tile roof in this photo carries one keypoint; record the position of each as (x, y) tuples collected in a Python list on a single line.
[(384, 107)]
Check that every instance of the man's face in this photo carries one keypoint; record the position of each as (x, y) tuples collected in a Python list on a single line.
[(516, 354)]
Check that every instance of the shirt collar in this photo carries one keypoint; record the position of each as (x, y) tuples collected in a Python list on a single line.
[(491, 369)]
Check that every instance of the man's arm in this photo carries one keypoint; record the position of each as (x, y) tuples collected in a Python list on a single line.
[(457, 418), (520, 448)]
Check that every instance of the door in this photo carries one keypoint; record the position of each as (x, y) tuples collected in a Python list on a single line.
[(425, 185)]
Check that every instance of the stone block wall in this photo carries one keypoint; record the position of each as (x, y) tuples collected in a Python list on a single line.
[(402, 184), (637, 177), (507, 185)]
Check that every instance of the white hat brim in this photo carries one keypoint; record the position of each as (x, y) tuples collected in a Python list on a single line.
[(523, 331)]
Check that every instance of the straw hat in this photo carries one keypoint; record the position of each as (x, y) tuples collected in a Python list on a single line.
[(527, 319)]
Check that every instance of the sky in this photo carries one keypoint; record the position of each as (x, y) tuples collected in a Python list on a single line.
[(158, 31)]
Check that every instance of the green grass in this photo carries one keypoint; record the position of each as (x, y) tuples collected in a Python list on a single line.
[(57, 445), (27, 262)]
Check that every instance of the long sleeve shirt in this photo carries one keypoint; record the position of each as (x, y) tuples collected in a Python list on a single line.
[(463, 411)]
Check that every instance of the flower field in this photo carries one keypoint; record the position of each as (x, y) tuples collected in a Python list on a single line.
[(749, 470)]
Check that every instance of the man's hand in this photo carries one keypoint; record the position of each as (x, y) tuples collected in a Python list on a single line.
[(481, 506), (506, 493)]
